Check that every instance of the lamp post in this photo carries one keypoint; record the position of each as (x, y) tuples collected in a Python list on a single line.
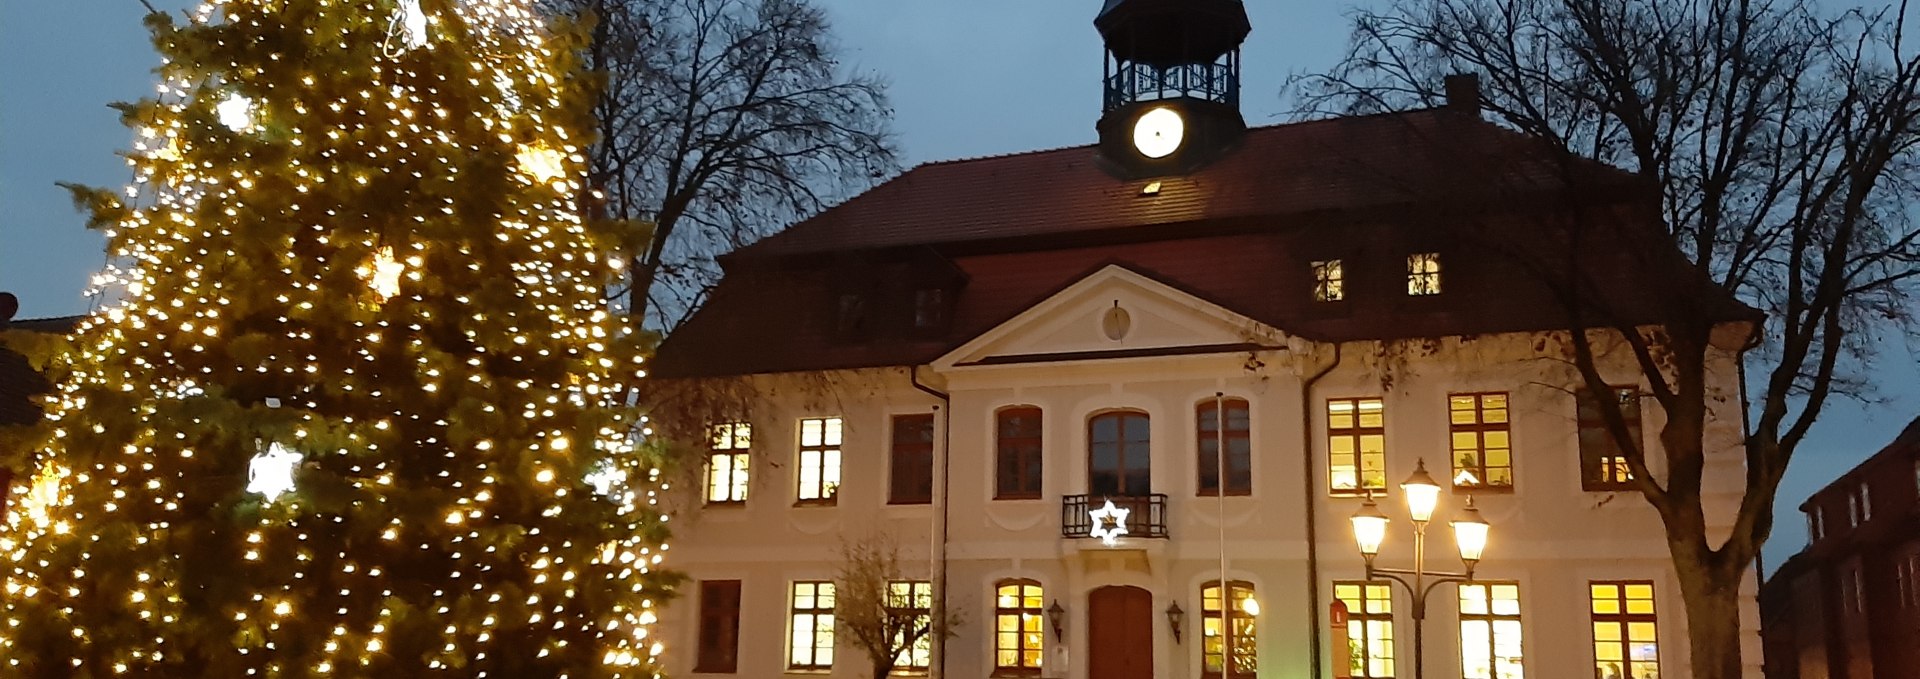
[(1469, 534)]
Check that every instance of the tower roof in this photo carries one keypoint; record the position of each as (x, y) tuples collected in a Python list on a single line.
[(1167, 32)]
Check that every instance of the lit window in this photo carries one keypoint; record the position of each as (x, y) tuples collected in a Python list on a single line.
[(1626, 639), (727, 463), (1603, 461), (1239, 447), (1245, 611), (1423, 274), (1369, 627), (1866, 502), (1482, 449), (1329, 281), (1490, 631), (811, 645), (1017, 456), (820, 460), (1018, 641), (1356, 445), (910, 610)]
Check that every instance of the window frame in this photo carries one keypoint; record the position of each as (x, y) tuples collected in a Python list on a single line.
[(826, 492), (1866, 501), (1423, 274), (1329, 280), (910, 461), (709, 656), (1623, 618), (1480, 428), (794, 611), (1022, 614), (1121, 446), (1491, 618), (1210, 615), (1358, 433), (918, 658), (725, 440), (1028, 464), (1359, 617), (1239, 444), (1594, 461)]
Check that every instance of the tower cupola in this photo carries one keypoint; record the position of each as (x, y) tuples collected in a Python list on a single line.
[(1172, 85)]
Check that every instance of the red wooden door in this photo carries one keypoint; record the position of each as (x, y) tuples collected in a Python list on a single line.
[(1120, 633)]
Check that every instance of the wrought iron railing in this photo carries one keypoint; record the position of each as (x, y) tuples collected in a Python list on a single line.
[(1146, 516), (1217, 82)]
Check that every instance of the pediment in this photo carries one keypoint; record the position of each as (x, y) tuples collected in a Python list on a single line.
[(1114, 313)]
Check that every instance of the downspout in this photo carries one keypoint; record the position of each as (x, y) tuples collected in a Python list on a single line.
[(938, 540), (1313, 538)]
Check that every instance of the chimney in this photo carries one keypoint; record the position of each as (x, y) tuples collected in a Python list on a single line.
[(9, 305), (1463, 93)]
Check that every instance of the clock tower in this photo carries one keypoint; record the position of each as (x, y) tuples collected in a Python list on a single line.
[(1172, 88)]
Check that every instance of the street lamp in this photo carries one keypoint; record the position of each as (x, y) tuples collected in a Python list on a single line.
[(1469, 535)]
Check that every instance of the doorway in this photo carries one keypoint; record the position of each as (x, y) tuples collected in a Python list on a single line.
[(1120, 633)]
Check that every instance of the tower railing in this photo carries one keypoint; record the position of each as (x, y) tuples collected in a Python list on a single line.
[(1135, 82)]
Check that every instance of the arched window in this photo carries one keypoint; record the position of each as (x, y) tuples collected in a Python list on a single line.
[(1245, 612), (1018, 621), (1239, 426), (1118, 455), (1017, 454)]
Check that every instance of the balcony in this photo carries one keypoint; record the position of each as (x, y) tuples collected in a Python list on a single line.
[(1146, 516)]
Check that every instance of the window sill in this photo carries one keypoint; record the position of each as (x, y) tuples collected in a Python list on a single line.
[(730, 504), (1499, 490), (1015, 673), (1018, 498), (817, 503), (1230, 494), (1375, 493), (910, 503)]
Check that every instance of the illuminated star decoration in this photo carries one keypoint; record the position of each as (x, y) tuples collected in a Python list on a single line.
[(271, 473), (383, 273), (236, 112), (409, 26), (540, 163), (1109, 523)]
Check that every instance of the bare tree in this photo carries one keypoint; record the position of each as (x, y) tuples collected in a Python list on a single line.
[(720, 122), (1780, 139), (888, 616)]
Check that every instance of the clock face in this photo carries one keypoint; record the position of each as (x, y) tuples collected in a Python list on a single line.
[(1157, 134)]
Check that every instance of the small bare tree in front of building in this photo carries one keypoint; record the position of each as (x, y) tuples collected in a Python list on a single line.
[(892, 618)]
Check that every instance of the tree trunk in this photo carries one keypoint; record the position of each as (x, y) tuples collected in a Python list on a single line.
[(1712, 597)]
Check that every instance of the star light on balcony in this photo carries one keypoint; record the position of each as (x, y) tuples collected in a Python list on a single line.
[(1109, 523)]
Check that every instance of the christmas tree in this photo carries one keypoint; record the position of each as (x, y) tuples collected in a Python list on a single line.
[(360, 410)]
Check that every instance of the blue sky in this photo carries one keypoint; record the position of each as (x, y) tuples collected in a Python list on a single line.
[(972, 78)]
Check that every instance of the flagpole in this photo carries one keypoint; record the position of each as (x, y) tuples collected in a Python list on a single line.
[(1226, 587)]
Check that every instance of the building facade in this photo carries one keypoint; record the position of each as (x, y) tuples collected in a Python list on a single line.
[(998, 362), (1848, 606)]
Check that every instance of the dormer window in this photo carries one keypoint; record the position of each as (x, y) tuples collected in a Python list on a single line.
[(1329, 281), (929, 309), (1423, 274), (850, 316)]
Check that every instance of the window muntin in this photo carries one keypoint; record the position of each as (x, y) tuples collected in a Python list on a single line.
[(719, 644), (1356, 445), (1018, 615), (1603, 461), (1481, 440), (1490, 645), (1246, 656), (820, 439), (1626, 639), (1239, 421), (912, 466), (1329, 281), (1119, 455), (1423, 273), (1369, 627), (912, 601), (810, 643), (1017, 454), (729, 448)]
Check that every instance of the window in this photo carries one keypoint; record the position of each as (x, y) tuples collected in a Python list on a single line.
[(1912, 597), (1356, 445), (727, 463), (1815, 524), (911, 604), (1853, 511), (1118, 456), (1018, 642), (1423, 274), (1017, 454), (1859, 598), (1369, 627), (929, 309), (820, 460), (719, 626), (1603, 461), (1329, 281), (1626, 641), (1866, 502), (810, 644), (1490, 631), (1482, 453), (850, 316), (912, 482), (1245, 610), (1239, 447)]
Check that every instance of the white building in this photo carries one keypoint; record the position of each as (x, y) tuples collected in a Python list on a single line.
[(975, 355)]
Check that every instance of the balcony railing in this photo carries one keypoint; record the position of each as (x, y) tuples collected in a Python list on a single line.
[(1146, 516)]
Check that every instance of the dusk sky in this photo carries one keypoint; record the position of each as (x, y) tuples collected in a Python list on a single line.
[(971, 78)]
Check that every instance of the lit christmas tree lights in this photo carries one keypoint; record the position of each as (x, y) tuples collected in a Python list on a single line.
[(361, 408)]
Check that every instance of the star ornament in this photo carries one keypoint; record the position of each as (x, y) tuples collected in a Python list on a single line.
[(383, 273), (541, 163), (235, 112), (271, 473), (1109, 523)]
